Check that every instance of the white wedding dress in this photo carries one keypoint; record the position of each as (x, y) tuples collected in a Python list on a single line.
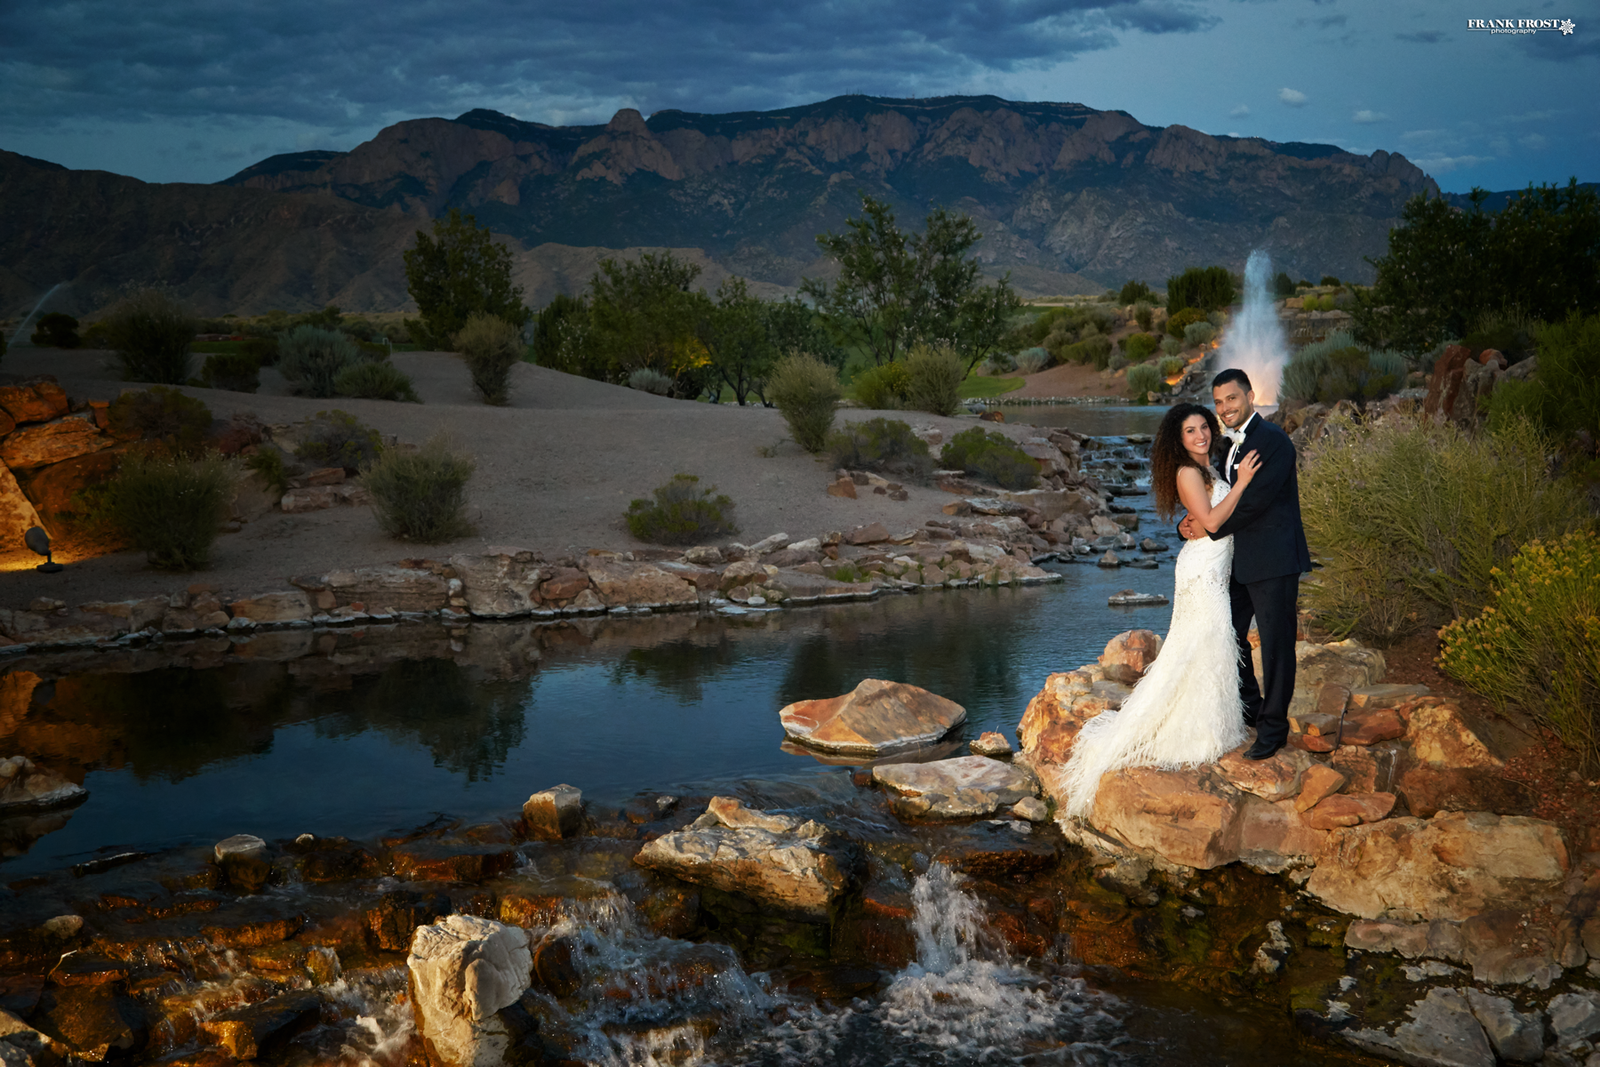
[(1186, 709)]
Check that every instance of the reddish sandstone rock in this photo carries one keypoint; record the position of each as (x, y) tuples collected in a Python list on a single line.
[(1368, 726), (1051, 722), (621, 583), (1350, 810), (1272, 779), (1445, 381), (875, 717), (1429, 790), (17, 513), (1179, 815), (51, 442), (1440, 737), (564, 583), (1275, 836), (843, 487), (288, 606), (1128, 655), (1319, 781), (867, 535), (33, 401)]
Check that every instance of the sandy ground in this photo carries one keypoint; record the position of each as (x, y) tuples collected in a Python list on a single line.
[(1068, 379), (556, 469)]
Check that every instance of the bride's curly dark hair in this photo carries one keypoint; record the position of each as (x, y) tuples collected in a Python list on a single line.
[(1167, 455)]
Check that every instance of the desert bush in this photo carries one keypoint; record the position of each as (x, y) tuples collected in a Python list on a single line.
[(1138, 347), (1116, 362), (1171, 346), (1033, 360), (236, 372), (681, 513), (1336, 368), (310, 358), (170, 506), (373, 380), (421, 494), (806, 392), (1170, 365), (1199, 333), (1095, 349), (264, 349), (1206, 288), (1144, 315), (1282, 285), (491, 347), (1134, 292), (1182, 320), (935, 374), (648, 380), (884, 445), (1569, 353), (1143, 380), (1410, 520), (338, 439), (56, 330), (991, 455), (150, 334), (1508, 331), (882, 388), (1328, 279), (267, 461), (176, 423), (1537, 643), (1000, 363)]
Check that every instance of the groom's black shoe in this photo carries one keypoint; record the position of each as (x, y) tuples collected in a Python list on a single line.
[(1262, 750)]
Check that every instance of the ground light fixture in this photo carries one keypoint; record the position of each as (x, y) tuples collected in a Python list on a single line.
[(39, 541)]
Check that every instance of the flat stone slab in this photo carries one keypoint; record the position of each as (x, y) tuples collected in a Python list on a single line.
[(874, 718), (964, 787)]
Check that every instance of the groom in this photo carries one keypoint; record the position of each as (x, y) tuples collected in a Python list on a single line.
[(1269, 555)]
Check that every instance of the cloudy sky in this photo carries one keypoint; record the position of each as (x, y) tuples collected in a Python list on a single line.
[(195, 90)]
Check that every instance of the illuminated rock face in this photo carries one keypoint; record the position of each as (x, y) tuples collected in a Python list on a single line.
[(874, 718)]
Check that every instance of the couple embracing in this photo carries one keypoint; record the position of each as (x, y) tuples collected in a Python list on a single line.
[(1243, 553)]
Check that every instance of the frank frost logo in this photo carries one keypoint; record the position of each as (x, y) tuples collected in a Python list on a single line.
[(1566, 26)]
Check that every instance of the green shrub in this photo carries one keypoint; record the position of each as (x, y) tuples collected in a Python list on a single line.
[(1282, 285), (1143, 380), (375, 381), (1144, 315), (884, 445), (237, 372), (1512, 400), (934, 374), (491, 347), (1170, 365), (1116, 362), (806, 392), (1134, 292), (1094, 349), (1138, 347), (264, 349), (1182, 320), (1569, 353), (338, 439), (1033, 360), (997, 364), (1171, 346), (311, 359), (420, 495), (56, 330), (648, 380), (681, 513), (1206, 288), (1410, 519), (1328, 279), (1336, 368), (267, 461), (882, 388), (170, 506), (991, 455), (173, 420), (150, 334), (1507, 331), (1199, 333), (1537, 643)]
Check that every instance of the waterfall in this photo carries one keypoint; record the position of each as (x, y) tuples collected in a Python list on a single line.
[(22, 335), (1254, 342)]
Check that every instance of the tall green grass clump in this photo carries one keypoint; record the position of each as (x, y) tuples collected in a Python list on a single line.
[(1143, 380), (884, 445), (935, 374), (150, 333), (681, 513), (312, 358), (806, 392), (421, 495), (1410, 520), (491, 346), (993, 456), (1537, 643), (373, 380), (170, 506)]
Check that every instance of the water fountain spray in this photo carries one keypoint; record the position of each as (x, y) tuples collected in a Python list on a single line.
[(1255, 342), (22, 333)]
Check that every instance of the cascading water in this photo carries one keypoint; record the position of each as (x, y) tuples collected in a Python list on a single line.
[(1255, 342), (23, 334)]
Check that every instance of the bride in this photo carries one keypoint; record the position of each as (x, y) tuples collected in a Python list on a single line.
[(1186, 709)]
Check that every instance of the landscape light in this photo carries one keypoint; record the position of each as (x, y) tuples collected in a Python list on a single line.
[(39, 541)]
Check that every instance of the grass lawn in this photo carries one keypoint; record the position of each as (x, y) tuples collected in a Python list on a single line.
[(982, 388)]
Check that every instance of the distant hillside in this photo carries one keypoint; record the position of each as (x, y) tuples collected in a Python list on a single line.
[(1070, 200)]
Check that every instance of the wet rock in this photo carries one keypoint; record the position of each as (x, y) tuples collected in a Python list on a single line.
[(244, 862), (1175, 814), (1110, 559), (87, 968), (1575, 1018), (553, 966), (21, 1045), (238, 845), (1129, 654), (24, 785), (1129, 598), (1505, 948), (249, 1031), (1442, 1031), (554, 813), (1032, 809), (1273, 836), (254, 933), (433, 860), (91, 1022), (398, 914), (1516, 1037), (876, 717), (801, 868), (1350, 809), (1405, 939), (618, 583), (463, 972), (998, 848), (1150, 544), (990, 743), (961, 788), (1452, 866)]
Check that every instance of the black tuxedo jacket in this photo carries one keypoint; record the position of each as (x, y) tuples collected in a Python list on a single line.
[(1268, 540)]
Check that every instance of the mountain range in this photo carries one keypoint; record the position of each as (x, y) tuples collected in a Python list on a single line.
[(1069, 199)]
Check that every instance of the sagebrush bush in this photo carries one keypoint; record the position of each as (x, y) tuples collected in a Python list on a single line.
[(1171, 346), (176, 422), (1182, 320), (421, 494), (882, 388), (1000, 363), (491, 346), (311, 358), (236, 372), (1143, 380), (991, 455), (375, 381), (1170, 365), (1033, 360), (267, 461), (338, 439), (934, 376), (681, 513), (150, 333), (170, 506), (1336, 368), (1138, 347), (884, 445), (1569, 355), (1409, 520), (1095, 349), (1116, 362), (1199, 333), (806, 392), (1144, 315), (648, 380), (1537, 643)]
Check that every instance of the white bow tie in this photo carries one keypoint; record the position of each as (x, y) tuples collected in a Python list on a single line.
[(1236, 436)]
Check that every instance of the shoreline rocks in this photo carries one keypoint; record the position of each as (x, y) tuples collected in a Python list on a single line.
[(875, 718)]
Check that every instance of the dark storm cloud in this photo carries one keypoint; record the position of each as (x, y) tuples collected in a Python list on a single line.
[(343, 64)]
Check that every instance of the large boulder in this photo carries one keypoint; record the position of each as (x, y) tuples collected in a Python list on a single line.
[(51, 442), (463, 972), (1452, 866), (773, 859), (620, 583), (387, 589), (38, 401), (1442, 1032), (962, 788), (874, 718), (24, 784), (17, 514), (1128, 655), (501, 584), (1186, 817)]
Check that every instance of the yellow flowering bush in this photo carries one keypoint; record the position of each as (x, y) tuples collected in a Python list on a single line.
[(1537, 643)]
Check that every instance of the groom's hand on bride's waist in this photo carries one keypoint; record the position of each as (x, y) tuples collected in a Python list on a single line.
[(1191, 530)]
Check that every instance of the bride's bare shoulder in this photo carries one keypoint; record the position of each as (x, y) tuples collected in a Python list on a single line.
[(1191, 476)]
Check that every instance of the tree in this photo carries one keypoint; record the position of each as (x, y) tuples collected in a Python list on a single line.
[(897, 290), (736, 334), (1206, 288), (558, 333), (643, 313), (1134, 291), (458, 272)]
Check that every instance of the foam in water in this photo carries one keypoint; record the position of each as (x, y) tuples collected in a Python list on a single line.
[(1255, 342)]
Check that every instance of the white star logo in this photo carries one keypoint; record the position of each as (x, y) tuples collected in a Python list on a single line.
[(1567, 27)]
